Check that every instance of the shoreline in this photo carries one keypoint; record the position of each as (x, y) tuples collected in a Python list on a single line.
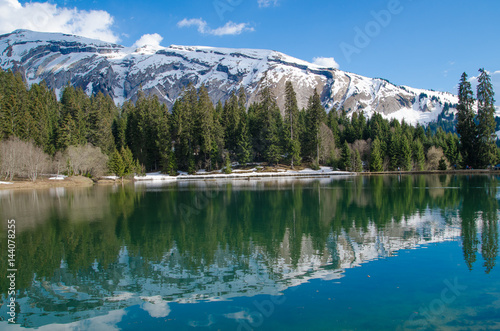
[(45, 183), (80, 181)]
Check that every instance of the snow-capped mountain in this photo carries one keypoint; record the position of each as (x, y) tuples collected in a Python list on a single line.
[(164, 71)]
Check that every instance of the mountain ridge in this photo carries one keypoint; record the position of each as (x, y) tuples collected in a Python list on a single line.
[(98, 66)]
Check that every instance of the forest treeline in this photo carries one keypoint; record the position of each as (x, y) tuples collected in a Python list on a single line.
[(90, 135)]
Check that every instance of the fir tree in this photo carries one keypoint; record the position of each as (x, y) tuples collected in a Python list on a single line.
[(451, 151), (333, 124), (292, 123), (442, 164), (230, 122), (102, 112), (466, 127), (358, 165), (66, 133), (128, 161), (419, 155), (486, 119), (405, 154), (205, 120), (182, 128), (314, 117), (218, 137), (394, 149), (227, 164), (273, 150), (116, 165), (119, 130), (345, 157), (243, 149), (264, 125), (376, 164)]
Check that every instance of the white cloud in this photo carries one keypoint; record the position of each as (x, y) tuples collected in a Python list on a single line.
[(156, 310), (328, 62), (156, 306), (267, 3), (149, 39), (230, 28), (201, 24), (46, 17)]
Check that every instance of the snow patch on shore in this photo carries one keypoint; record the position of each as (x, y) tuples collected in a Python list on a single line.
[(157, 176)]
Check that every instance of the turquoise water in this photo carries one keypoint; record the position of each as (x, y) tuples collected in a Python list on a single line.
[(377, 253)]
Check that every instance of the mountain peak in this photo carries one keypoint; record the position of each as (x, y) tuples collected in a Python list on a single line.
[(98, 66)]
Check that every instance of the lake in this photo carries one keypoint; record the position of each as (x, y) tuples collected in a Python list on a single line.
[(338, 253)]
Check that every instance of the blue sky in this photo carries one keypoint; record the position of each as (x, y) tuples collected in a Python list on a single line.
[(420, 43)]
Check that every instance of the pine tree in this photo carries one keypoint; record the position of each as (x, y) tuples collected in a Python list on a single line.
[(205, 121), (170, 166), (119, 130), (264, 123), (376, 164), (419, 155), (315, 115), (333, 124), (183, 129), (292, 123), (486, 119), (218, 137), (273, 150), (405, 154), (442, 164), (102, 113), (345, 157), (76, 104), (230, 122), (451, 151), (243, 151), (394, 149), (116, 165), (128, 161), (227, 164), (466, 127), (358, 165), (66, 133)]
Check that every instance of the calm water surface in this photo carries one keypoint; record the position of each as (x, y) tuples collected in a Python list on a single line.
[(356, 253)]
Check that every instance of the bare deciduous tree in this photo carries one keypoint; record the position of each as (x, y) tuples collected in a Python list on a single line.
[(58, 162), (10, 151), (34, 161), (363, 147), (22, 158), (87, 160), (433, 156)]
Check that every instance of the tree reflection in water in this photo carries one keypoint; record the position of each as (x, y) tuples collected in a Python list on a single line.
[(199, 240)]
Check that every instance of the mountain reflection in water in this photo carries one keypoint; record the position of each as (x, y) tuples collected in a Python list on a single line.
[(84, 252)]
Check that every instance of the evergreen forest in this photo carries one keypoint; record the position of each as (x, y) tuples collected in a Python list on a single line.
[(90, 135)]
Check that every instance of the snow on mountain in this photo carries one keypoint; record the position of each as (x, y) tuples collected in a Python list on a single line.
[(98, 66)]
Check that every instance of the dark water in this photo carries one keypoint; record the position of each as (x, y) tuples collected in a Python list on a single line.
[(382, 253)]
